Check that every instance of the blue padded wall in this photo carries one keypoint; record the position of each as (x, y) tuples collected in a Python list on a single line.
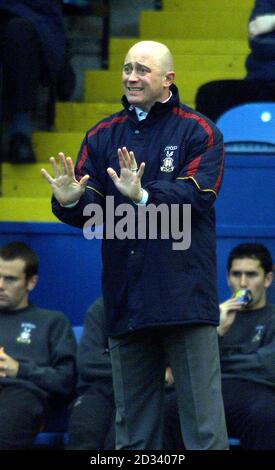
[(70, 265), (247, 196), (245, 210)]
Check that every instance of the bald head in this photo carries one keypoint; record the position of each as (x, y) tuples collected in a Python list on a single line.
[(147, 74), (158, 53)]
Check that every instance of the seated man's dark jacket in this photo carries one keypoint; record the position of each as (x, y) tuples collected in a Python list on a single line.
[(260, 64), (247, 350), (43, 343), (93, 358)]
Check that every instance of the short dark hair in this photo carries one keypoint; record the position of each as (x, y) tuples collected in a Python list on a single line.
[(14, 250), (253, 251)]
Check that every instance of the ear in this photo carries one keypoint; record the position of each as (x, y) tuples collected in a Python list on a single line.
[(169, 78), (32, 283), (268, 279)]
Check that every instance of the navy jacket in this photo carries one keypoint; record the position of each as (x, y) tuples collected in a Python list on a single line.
[(260, 64), (46, 17), (145, 282), (44, 344)]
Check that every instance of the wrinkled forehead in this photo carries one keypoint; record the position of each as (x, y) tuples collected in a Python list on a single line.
[(141, 57)]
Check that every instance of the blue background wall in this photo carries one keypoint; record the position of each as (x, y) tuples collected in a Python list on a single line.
[(70, 265), (70, 273), (245, 209)]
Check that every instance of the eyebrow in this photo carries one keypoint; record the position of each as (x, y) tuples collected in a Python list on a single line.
[(9, 276), (247, 273), (137, 65)]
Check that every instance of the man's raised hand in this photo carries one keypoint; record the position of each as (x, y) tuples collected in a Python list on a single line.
[(65, 187), (129, 181)]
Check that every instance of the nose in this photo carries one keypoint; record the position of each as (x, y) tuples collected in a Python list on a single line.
[(133, 76), (243, 281)]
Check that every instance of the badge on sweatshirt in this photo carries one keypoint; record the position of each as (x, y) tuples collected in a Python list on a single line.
[(259, 333), (25, 333), (168, 162)]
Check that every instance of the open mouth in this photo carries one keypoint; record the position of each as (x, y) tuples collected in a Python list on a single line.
[(134, 89)]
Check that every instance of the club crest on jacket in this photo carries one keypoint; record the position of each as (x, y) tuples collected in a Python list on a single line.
[(168, 162)]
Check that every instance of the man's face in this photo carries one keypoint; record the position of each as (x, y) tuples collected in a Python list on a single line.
[(248, 273), (14, 288), (143, 79)]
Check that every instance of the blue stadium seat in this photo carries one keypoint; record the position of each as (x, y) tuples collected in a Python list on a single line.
[(249, 128), (49, 440), (54, 434), (78, 332), (234, 443)]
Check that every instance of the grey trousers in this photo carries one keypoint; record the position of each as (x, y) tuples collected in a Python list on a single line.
[(138, 364)]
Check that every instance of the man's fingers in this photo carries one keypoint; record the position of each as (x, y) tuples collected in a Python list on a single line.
[(122, 159), (84, 180), (141, 170), (66, 165), (126, 159), (46, 175), (63, 165), (113, 175), (129, 159), (133, 163), (54, 167), (70, 167)]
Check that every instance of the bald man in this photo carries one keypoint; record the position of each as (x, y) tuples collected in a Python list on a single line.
[(151, 173)]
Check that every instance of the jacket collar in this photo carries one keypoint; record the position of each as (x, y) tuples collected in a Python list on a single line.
[(158, 108)]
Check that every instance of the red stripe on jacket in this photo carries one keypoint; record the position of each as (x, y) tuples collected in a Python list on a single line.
[(193, 166), (106, 124), (202, 122), (101, 125), (82, 160), (219, 179)]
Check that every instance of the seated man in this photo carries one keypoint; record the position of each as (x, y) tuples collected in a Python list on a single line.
[(91, 425), (247, 348), (32, 52), (37, 351), (216, 97)]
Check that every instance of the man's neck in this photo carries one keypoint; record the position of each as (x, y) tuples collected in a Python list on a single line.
[(142, 114)]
